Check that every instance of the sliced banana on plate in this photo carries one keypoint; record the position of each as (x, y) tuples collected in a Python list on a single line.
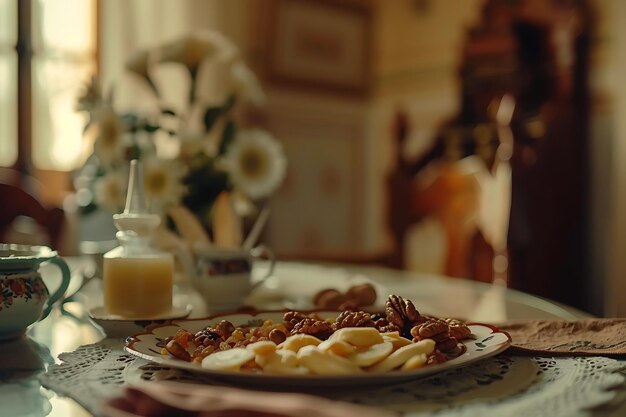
[(263, 347), (298, 341), (338, 347), (402, 355), (358, 336), (372, 354), (228, 360), (323, 363)]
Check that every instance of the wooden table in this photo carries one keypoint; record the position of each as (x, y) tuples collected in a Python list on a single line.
[(292, 285)]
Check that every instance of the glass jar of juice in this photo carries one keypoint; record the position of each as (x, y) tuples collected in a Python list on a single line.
[(137, 278)]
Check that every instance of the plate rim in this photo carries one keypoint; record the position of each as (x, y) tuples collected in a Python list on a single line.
[(383, 376)]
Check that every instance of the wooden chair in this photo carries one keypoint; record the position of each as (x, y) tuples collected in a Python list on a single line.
[(15, 201)]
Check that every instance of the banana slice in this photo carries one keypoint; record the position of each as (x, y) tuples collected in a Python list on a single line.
[(358, 336), (264, 347), (338, 347), (397, 342), (228, 360), (400, 356), (280, 368), (298, 341), (372, 355), (321, 363), (415, 362), (286, 357)]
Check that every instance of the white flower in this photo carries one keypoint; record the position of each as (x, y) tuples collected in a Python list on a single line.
[(245, 85), (109, 146), (256, 163), (110, 191), (163, 182), (139, 64), (192, 50)]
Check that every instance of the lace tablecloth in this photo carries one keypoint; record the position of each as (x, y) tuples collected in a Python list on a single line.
[(502, 386)]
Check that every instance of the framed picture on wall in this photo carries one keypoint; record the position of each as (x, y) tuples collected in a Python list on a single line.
[(320, 44)]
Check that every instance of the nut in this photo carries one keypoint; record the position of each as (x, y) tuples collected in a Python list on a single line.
[(458, 329), (277, 336), (318, 328), (330, 299), (319, 299), (364, 294), (349, 305), (353, 319), (402, 314), (430, 329), (448, 344)]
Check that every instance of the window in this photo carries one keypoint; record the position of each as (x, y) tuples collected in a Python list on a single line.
[(48, 51), (8, 82)]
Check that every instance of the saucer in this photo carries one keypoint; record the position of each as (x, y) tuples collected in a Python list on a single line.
[(118, 326)]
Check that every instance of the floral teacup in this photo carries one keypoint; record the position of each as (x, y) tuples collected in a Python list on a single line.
[(223, 277), (24, 297)]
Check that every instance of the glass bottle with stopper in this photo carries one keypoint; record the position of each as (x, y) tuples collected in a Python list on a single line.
[(137, 278)]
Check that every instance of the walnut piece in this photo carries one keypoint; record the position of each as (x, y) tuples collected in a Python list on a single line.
[(318, 328), (353, 319)]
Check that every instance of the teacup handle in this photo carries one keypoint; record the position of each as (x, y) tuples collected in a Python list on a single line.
[(65, 282), (263, 252)]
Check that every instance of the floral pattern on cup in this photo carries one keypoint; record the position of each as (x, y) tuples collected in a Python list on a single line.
[(20, 287), (224, 266)]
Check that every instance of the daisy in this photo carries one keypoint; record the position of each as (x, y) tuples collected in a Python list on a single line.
[(163, 182), (256, 163), (110, 191), (109, 146)]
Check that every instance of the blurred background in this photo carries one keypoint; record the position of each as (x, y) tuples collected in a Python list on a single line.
[(481, 139)]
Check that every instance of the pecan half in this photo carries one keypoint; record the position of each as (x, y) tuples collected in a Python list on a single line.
[(402, 314), (431, 329), (458, 329), (449, 344)]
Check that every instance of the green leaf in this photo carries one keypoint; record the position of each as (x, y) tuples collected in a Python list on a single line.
[(228, 136), (210, 116), (130, 119)]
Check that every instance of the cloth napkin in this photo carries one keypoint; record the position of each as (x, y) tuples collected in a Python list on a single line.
[(165, 399), (589, 337)]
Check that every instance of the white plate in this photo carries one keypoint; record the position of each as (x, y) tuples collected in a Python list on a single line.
[(118, 326), (148, 345)]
